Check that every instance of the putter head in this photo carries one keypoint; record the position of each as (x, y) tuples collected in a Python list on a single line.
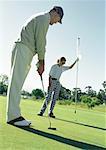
[(52, 128)]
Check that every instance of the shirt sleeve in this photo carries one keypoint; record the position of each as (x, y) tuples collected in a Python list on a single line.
[(64, 68), (41, 30)]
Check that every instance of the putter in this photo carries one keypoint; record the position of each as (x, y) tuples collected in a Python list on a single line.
[(50, 126)]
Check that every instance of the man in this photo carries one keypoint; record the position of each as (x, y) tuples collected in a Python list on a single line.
[(32, 41), (54, 85)]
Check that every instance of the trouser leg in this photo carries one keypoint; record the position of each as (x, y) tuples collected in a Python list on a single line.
[(55, 96), (48, 97), (21, 60)]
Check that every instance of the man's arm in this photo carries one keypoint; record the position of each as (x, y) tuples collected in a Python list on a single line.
[(40, 37), (40, 41)]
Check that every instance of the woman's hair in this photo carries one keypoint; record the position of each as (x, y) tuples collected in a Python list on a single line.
[(61, 59)]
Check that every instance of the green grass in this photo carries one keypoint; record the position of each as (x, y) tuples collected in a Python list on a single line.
[(83, 130)]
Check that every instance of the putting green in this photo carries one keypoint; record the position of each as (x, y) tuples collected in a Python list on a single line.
[(83, 130)]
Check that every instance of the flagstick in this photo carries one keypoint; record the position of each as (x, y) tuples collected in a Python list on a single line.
[(76, 92)]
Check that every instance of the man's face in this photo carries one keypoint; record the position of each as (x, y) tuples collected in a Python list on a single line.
[(55, 18)]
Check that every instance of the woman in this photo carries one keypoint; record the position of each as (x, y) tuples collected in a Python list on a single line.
[(54, 85)]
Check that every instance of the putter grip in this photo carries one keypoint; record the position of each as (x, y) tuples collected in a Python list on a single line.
[(41, 77)]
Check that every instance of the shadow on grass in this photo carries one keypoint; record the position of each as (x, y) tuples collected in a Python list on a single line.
[(64, 140), (80, 124)]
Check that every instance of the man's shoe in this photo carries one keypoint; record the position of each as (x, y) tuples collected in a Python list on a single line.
[(23, 123), (20, 122), (52, 115), (40, 114)]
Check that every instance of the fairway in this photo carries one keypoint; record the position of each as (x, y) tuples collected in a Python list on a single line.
[(83, 130)]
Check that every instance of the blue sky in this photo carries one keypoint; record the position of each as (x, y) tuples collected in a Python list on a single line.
[(84, 18)]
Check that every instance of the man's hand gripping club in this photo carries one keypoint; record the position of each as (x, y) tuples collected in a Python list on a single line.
[(40, 67)]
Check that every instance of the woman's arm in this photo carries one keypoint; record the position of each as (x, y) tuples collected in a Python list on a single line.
[(74, 63)]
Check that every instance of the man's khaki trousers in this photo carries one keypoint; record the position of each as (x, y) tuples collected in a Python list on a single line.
[(20, 66)]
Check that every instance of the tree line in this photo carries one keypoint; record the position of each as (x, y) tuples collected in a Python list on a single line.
[(89, 97)]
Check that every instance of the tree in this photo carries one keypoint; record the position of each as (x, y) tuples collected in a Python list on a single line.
[(90, 91), (90, 101), (4, 79), (3, 84), (78, 92), (64, 93), (25, 94), (104, 85), (101, 95), (37, 93)]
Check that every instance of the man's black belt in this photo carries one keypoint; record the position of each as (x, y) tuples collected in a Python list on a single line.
[(54, 79)]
